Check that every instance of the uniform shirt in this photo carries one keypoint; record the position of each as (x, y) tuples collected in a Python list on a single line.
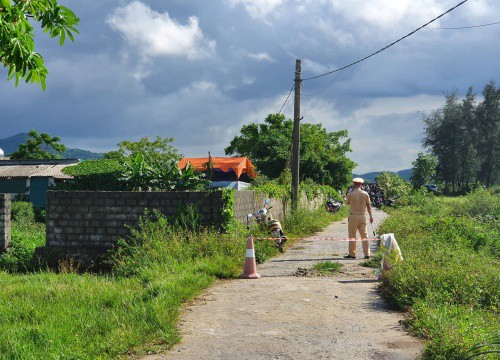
[(358, 199)]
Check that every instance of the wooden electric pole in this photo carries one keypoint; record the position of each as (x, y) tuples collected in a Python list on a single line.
[(296, 136)]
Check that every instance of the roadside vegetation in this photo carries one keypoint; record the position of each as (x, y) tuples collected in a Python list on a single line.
[(449, 281)]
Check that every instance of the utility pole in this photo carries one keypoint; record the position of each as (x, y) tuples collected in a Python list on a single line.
[(296, 136)]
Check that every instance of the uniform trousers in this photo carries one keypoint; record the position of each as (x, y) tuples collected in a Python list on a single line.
[(358, 223)]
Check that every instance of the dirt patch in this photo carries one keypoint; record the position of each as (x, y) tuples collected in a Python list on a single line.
[(295, 312)]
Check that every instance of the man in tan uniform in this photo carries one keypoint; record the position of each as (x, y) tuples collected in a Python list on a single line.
[(359, 202)]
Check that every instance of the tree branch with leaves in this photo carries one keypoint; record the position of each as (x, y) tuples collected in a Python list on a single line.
[(17, 36)]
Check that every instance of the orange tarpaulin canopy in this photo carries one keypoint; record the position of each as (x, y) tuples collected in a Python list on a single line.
[(240, 165)]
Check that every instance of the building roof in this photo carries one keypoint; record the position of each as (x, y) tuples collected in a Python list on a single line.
[(240, 165), (35, 168)]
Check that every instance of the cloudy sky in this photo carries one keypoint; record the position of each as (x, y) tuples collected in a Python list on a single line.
[(197, 71)]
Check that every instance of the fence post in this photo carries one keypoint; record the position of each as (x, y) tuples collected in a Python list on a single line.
[(5, 221)]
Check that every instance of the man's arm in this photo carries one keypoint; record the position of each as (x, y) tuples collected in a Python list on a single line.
[(369, 209)]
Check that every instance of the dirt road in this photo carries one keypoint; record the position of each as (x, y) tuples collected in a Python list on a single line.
[(291, 314)]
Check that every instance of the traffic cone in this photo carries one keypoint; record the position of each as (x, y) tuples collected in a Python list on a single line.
[(250, 271)]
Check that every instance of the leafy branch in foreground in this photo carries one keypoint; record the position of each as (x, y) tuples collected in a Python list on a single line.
[(17, 44)]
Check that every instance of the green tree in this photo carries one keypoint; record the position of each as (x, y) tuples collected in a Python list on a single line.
[(488, 135), (442, 133), (392, 184), (465, 138), (158, 150), (466, 142), (37, 146), (17, 44), (268, 145), (424, 170)]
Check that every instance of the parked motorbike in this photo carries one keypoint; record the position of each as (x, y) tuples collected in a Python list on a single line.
[(266, 222), (332, 205)]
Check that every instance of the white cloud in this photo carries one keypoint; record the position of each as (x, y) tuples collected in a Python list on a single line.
[(247, 80), (398, 106), (483, 8), (333, 33), (315, 67), (156, 34), (257, 8), (387, 14), (262, 56)]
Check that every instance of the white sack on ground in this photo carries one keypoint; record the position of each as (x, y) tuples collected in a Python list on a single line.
[(390, 249)]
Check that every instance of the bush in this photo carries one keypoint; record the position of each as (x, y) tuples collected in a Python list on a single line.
[(19, 257), (22, 212), (94, 175)]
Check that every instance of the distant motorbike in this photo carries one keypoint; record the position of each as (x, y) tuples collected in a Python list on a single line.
[(266, 222), (377, 201), (332, 206)]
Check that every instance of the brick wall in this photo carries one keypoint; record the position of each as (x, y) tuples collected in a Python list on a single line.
[(5, 221)]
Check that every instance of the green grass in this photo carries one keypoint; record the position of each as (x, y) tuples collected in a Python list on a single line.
[(449, 281), (130, 311), (327, 267)]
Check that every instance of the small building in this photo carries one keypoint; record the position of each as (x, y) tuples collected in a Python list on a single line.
[(32, 177), (223, 172)]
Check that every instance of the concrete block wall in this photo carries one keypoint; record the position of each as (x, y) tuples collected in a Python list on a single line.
[(95, 220), (5, 221), (248, 202), (85, 224)]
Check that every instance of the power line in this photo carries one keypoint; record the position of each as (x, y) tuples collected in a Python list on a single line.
[(286, 100), (326, 87), (388, 46), (464, 27)]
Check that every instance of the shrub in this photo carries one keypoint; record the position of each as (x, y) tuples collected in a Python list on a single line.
[(19, 257), (22, 212), (102, 174)]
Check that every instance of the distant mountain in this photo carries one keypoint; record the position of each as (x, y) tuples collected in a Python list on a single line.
[(405, 174), (11, 144)]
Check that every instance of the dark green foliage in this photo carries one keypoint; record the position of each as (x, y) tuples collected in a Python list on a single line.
[(36, 147), (268, 145), (393, 185), (424, 170), (22, 212), (465, 138), (94, 175), (158, 150), (164, 175)]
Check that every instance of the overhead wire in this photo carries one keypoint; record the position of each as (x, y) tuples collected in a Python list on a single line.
[(388, 46), (464, 27), (286, 100), (326, 87)]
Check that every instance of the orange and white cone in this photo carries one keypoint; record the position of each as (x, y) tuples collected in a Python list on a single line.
[(250, 271)]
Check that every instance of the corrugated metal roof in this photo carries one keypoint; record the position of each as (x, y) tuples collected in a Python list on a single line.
[(23, 171)]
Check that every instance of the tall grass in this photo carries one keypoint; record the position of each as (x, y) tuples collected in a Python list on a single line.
[(450, 279)]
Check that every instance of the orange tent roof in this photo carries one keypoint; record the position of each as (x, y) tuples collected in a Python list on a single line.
[(240, 165)]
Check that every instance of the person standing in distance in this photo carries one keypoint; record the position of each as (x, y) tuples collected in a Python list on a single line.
[(359, 203)]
